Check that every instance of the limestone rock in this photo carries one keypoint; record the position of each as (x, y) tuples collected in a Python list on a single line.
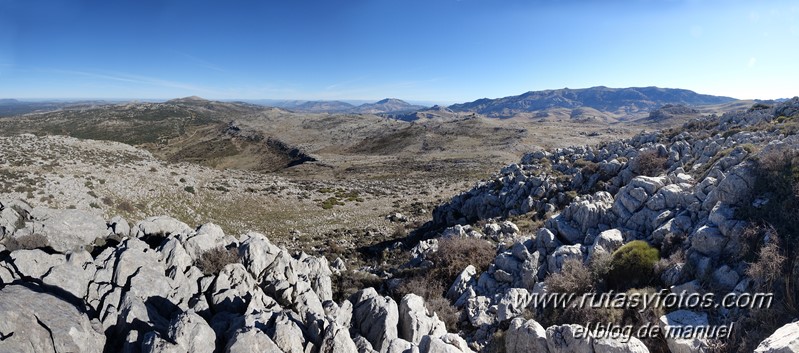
[(525, 336), (159, 226), (784, 340), (41, 322), (449, 343), (415, 321), (684, 318), (336, 339), (66, 230), (375, 317)]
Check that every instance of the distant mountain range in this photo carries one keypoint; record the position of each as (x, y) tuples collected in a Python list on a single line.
[(596, 103), (617, 101), (385, 106)]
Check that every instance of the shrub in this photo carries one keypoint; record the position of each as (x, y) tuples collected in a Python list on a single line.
[(445, 311), (455, 254), (125, 206), (189, 189), (574, 277), (214, 260), (27, 242), (349, 282), (777, 179), (399, 232), (768, 267), (649, 163), (632, 265)]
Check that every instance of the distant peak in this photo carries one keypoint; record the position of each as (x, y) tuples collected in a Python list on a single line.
[(190, 99), (390, 100)]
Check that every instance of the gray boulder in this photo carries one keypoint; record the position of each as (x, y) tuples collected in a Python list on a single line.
[(65, 230), (565, 339), (251, 340), (681, 318), (375, 317), (464, 280), (415, 320), (525, 336), (784, 340), (41, 322), (160, 226), (119, 226), (562, 254), (188, 333), (449, 343), (607, 242), (336, 339)]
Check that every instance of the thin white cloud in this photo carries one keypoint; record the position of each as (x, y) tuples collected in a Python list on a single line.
[(201, 62), (338, 85), (129, 78), (752, 62)]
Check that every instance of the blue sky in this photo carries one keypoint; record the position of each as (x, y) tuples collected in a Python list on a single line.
[(423, 50)]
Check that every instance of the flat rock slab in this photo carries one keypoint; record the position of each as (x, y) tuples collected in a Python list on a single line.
[(66, 230)]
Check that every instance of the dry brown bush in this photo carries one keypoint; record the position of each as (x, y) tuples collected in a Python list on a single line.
[(768, 267), (214, 260), (455, 254), (574, 277), (649, 163), (27, 242)]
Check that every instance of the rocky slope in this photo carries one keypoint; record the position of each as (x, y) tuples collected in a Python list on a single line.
[(74, 281), (593, 199)]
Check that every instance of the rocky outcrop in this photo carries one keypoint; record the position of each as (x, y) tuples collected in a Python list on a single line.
[(784, 340), (37, 321), (416, 322)]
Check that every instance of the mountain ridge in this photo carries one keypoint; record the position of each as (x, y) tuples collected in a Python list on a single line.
[(624, 102)]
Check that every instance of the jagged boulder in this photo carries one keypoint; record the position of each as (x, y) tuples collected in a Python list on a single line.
[(336, 339), (449, 343), (375, 317), (683, 318), (188, 333), (251, 340), (784, 340), (525, 336), (567, 339), (415, 321), (36, 321)]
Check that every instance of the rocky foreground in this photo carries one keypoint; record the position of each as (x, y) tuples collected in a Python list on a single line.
[(71, 281)]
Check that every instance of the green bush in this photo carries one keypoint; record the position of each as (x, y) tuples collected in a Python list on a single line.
[(632, 265)]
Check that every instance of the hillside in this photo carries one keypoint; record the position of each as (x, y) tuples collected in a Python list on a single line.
[(623, 103), (703, 209)]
